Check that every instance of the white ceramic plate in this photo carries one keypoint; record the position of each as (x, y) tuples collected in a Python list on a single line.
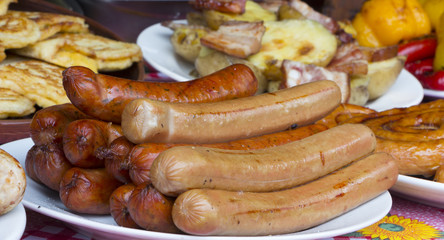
[(159, 53), (433, 93), (45, 201), (12, 224), (420, 190)]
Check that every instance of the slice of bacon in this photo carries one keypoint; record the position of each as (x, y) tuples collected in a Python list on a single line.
[(312, 14), (296, 73), (236, 38), (226, 6), (349, 59)]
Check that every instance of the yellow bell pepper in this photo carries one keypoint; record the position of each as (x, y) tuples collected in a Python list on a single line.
[(438, 62), (434, 9), (388, 22)]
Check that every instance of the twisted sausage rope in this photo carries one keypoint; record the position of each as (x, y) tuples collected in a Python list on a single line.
[(413, 135)]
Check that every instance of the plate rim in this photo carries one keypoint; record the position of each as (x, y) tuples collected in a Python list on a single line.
[(19, 227)]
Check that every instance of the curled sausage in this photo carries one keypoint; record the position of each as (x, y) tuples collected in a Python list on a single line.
[(48, 124), (118, 203), (87, 190), (220, 212), (141, 157), (83, 138), (179, 169), (47, 164), (151, 210), (413, 136), (145, 120), (104, 97), (116, 158)]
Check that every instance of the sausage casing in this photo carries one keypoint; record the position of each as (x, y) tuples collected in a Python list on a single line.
[(220, 212), (141, 156), (179, 169), (145, 120), (104, 97)]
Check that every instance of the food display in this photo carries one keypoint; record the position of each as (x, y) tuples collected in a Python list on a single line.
[(286, 43), (272, 139)]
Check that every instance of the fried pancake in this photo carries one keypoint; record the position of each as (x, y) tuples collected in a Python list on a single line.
[(16, 32), (39, 81), (4, 5), (108, 54), (2, 54), (13, 104), (52, 23)]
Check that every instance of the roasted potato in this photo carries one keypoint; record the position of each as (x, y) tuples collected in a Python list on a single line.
[(359, 94), (383, 74), (210, 61), (253, 12), (186, 42), (305, 41)]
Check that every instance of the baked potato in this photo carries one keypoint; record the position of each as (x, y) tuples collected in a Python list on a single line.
[(305, 41), (359, 94), (253, 12), (383, 74), (186, 42), (210, 61)]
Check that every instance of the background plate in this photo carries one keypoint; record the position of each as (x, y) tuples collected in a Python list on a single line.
[(159, 53), (46, 201), (12, 224), (420, 190)]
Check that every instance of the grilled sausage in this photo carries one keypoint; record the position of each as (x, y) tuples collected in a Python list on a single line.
[(82, 139), (220, 212), (145, 120), (141, 157), (179, 169), (118, 203), (104, 97), (48, 124), (87, 190)]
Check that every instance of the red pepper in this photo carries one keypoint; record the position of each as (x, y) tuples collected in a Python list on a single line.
[(418, 49), (434, 80), (420, 67)]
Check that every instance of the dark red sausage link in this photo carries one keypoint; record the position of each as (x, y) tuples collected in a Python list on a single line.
[(104, 97)]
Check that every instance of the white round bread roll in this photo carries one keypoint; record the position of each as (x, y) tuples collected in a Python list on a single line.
[(12, 182)]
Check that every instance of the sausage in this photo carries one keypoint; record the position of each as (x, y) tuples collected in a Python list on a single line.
[(48, 124), (104, 97), (115, 157), (412, 135), (439, 174), (151, 210), (47, 164), (220, 212), (87, 190), (142, 155), (145, 120), (83, 138), (118, 203), (187, 167)]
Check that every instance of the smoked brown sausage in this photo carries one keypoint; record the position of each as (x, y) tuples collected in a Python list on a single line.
[(48, 124), (82, 139), (104, 97)]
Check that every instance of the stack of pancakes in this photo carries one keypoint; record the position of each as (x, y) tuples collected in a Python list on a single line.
[(46, 44)]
